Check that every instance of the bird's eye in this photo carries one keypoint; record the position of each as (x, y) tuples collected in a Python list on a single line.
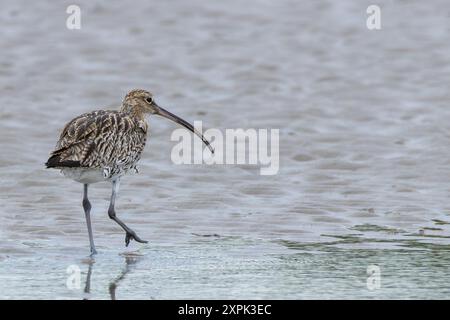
[(149, 100)]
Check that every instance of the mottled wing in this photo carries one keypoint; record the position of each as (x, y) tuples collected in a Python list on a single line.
[(99, 139)]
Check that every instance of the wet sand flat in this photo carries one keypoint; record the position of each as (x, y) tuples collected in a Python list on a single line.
[(364, 157)]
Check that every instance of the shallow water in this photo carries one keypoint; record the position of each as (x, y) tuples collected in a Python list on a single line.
[(364, 154)]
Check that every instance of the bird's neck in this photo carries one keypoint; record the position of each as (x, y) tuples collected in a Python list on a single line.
[(135, 112)]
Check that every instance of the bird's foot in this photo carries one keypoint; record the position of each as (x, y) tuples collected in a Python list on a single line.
[(132, 235)]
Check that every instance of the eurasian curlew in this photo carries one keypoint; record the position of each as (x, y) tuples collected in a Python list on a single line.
[(104, 145)]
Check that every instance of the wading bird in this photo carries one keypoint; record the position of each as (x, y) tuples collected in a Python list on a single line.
[(104, 145)]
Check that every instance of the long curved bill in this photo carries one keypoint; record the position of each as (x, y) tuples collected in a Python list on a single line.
[(166, 114)]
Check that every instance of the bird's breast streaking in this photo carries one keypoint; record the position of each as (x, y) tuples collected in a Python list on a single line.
[(110, 140)]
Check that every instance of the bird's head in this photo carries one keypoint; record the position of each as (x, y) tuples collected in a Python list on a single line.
[(140, 103)]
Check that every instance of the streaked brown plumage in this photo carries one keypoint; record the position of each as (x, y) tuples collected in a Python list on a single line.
[(104, 145), (108, 140)]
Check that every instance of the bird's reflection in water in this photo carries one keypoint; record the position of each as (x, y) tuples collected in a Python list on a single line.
[(87, 287), (130, 261)]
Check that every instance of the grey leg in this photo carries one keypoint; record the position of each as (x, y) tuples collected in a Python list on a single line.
[(87, 212), (130, 234)]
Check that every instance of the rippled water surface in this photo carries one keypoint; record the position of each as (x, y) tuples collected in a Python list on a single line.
[(364, 150)]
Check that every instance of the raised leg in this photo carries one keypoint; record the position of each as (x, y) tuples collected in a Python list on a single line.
[(87, 212), (130, 234)]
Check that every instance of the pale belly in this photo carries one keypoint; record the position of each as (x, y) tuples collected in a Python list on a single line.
[(84, 175), (93, 175)]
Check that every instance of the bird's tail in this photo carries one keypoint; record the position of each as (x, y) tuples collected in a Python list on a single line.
[(55, 161)]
